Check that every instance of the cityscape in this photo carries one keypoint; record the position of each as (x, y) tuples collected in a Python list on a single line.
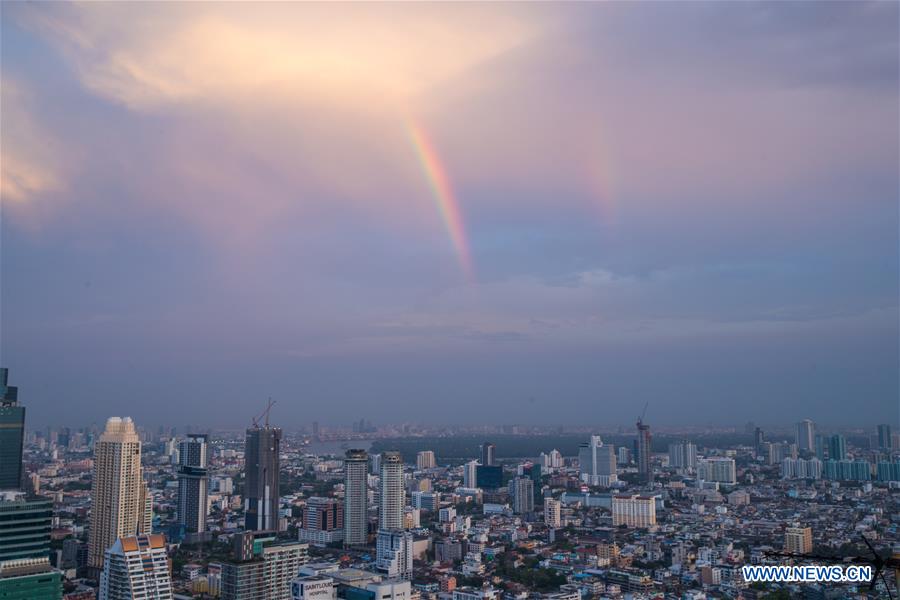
[(120, 511), (432, 300)]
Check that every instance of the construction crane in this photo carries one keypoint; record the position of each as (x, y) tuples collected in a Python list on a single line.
[(640, 420), (264, 413)]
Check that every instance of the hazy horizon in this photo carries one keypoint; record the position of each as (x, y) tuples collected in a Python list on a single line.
[(495, 213)]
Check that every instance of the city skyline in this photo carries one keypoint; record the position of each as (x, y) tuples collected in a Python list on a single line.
[(495, 207)]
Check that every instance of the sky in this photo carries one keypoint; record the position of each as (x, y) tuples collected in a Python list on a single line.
[(451, 213)]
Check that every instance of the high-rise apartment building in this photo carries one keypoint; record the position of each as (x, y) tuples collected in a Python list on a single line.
[(885, 440), (392, 494), (470, 474), (487, 454), (521, 490), (837, 447), (262, 467), (12, 434), (806, 436), (633, 510), (719, 469), (394, 553), (552, 513), (425, 460), (136, 568), (798, 540), (356, 504), (192, 483), (597, 462), (118, 499), (683, 456), (645, 470)]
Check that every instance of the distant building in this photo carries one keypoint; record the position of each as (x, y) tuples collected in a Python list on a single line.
[(837, 447), (799, 468), (487, 454), (552, 513), (426, 500), (521, 490), (425, 460), (193, 484), (683, 456), (717, 469), (262, 467), (136, 567), (633, 510), (885, 440), (645, 470), (489, 477), (758, 439), (798, 540), (356, 494), (392, 496), (597, 462), (806, 436), (470, 474)]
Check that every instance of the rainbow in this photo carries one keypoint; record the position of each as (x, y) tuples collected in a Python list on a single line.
[(446, 201)]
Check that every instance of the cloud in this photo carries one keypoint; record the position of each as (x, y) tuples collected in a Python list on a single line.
[(28, 153), (364, 56)]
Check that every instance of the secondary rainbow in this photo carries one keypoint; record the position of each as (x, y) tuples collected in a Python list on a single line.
[(446, 201)]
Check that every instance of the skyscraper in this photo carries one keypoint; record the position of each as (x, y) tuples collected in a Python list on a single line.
[(470, 474), (884, 437), (837, 447), (597, 462), (806, 436), (683, 456), (137, 567), (116, 499), (643, 452), (12, 435), (192, 483), (356, 521), (521, 489), (487, 454), (392, 495), (262, 467), (758, 439)]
